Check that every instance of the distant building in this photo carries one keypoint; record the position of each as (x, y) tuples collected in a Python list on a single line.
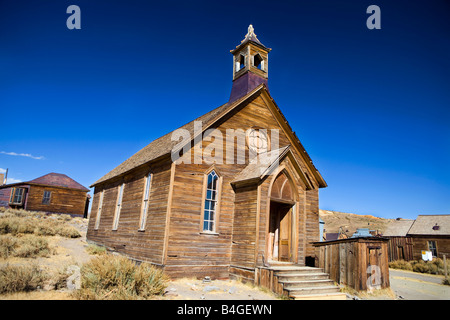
[(408, 238), (431, 233), (53, 192), (361, 233)]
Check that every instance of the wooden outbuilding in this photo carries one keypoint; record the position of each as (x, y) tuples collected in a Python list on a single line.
[(220, 217), (360, 263), (53, 193)]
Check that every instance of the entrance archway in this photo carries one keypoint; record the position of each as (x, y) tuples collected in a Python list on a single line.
[(280, 238)]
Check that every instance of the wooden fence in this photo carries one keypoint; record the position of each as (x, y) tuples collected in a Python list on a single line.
[(359, 263)]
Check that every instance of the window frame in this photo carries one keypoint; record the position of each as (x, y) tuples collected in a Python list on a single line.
[(118, 209), (12, 197), (47, 200), (432, 246), (261, 64), (99, 210), (216, 211), (145, 201)]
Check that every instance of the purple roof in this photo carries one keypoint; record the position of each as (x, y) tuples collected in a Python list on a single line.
[(245, 84), (58, 180)]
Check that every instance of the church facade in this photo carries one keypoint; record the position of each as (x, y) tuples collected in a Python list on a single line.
[(228, 193)]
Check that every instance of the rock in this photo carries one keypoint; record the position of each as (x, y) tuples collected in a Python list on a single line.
[(194, 287), (171, 292), (210, 288), (232, 290), (74, 281)]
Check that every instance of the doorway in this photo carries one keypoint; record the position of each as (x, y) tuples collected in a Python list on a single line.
[(280, 232)]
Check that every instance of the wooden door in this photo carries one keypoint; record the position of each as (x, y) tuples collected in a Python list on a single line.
[(285, 234), (280, 234), (373, 270)]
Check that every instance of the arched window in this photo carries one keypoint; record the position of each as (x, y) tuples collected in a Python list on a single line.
[(211, 202), (281, 188)]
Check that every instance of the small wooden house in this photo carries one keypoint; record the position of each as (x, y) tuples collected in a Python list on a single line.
[(221, 215), (408, 238), (400, 245), (53, 192), (430, 233)]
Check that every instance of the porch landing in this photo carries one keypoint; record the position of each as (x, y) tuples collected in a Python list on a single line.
[(298, 282)]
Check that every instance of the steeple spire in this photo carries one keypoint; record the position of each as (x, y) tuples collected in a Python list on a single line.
[(250, 65)]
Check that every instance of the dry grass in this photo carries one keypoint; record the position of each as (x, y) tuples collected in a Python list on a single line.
[(110, 277), (26, 222), (96, 250), (21, 278), (375, 294), (25, 246), (432, 267), (25, 236)]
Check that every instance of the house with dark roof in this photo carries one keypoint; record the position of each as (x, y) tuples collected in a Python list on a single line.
[(431, 233), (53, 192), (400, 246), (409, 238), (227, 195)]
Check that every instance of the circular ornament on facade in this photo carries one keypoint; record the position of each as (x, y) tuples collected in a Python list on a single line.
[(257, 140)]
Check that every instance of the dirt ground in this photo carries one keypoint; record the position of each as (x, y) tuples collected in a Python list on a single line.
[(73, 252)]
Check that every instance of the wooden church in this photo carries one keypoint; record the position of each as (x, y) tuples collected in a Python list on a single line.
[(224, 218)]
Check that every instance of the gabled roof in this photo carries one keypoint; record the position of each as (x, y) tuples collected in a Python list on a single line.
[(398, 228), (431, 225), (52, 179), (164, 145), (260, 166)]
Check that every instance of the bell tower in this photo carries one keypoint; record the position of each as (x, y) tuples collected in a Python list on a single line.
[(250, 65)]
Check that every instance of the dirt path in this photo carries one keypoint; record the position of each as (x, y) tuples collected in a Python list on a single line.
[(417, 286)]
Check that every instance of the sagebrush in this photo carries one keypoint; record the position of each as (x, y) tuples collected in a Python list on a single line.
[(433, 267), (15, 222), (21, 278), (112, 277)]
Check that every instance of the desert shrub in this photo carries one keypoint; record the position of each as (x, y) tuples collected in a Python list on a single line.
[(434, 267), (400, 264), (31, 246), (21, 221), (20, 278), (96, 250), (110, 277), (7, 245), (27, 246)]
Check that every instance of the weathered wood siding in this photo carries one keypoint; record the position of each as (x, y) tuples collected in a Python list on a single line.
[(347, 261), (62, 200), (312, 232), (244, 229), (147, 245), (400, 248), (421, 243)]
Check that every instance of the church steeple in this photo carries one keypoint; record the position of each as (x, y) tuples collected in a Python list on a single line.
[(250, 65)]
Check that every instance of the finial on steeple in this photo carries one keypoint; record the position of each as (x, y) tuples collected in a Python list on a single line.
[(250, 31), (250, 34)]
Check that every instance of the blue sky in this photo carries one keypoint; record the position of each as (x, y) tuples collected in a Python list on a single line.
[(371, 107)]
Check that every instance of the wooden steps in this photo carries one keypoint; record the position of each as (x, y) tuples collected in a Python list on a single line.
[(301, 282)]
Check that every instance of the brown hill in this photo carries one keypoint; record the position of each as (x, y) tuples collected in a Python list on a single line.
[(350, 222)]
